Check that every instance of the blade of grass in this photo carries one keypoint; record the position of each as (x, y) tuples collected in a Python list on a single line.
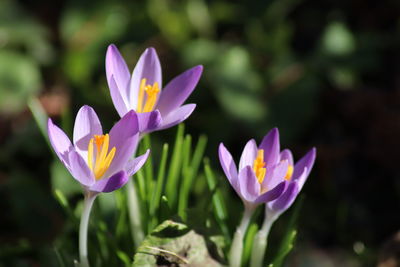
[(148, 168), (156, 196), (121, 229), (248, 243), (143, 204), (40, 117), (59, 257), (165, 209), (190, 174), (185, 172), (171, 189), (288, 241), (219, 205)]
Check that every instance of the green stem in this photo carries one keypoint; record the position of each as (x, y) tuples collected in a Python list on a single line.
[(235, 254), (83, 228), (261, 240), (134, 214), (134, 208)]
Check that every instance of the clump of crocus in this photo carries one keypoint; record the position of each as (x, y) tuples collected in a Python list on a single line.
[(296, 176), (262, 177), (142, 91), (99, 162)]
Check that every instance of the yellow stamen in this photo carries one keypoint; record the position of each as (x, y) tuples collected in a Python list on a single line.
[(141, 95), (103, 160), (90, 154), (101, 154), (151, 96), (259, 166), (289, 173)]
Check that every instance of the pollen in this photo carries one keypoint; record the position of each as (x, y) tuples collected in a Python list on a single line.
[(103, 157), (259, 166), (147, 102)]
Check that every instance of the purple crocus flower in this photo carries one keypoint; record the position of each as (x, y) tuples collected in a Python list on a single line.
[(157, 109), (297, 176), (260, 177), (99, 162)]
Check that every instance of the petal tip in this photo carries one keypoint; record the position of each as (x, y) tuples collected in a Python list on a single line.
[(274, 131), (151, 51), (199, 68)]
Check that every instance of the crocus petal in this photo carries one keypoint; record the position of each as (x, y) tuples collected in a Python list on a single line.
[(229, 167), (286, 154), (271, 146), (110, 184), (249, 154), (305, 162), (60, 142), (178, 90), (80, 170), (135, 164), (149, 68), (87, 125), (275, 174), (120, 102), (124, 136), (286, 199), (248, 183), (272, 194), (149, 121), (116, 67), (302, 178), (177, 116)]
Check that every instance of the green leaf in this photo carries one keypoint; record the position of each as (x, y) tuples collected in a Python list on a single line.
[(288, 240), (156, 196), (219, 205), (174, 169), (40, 116), (148, 168), (248, 243), (124, 257), (174, 243), (189, 173)]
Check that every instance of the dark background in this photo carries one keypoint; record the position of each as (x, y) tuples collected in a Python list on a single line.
[(327, 73)]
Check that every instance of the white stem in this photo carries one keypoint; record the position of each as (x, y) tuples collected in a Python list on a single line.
[(134, 214), (261, 240), (83, 228), (235, 254)]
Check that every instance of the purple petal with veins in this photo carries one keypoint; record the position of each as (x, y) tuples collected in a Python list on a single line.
[(229, 167), (248, 184), (249, 154), (271, 146), (149, 68), (178, 90), (87, 125)]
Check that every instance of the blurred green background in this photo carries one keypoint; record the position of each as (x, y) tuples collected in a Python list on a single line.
[(327, 73)]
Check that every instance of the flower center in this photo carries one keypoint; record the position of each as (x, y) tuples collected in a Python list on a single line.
[(103, 158), (259, 166), (147, 105)]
